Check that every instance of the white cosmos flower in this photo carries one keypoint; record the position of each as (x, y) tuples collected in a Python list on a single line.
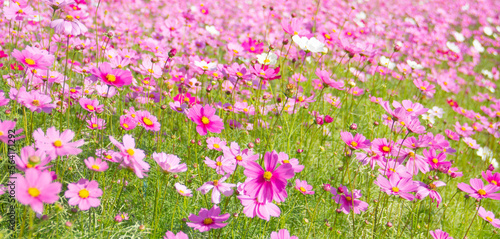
[(387, 62), (312, 45), (429, 117), (437, 112), (206, 66), (488, 31), (453, 47), (477, 45), (485, 153), (414, 65), (267, 59), (212, 30), (459, 36)]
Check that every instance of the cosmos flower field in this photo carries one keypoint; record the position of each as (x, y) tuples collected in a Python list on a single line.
[(249, 119)]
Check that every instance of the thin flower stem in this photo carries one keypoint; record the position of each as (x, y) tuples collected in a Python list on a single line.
[(473, 218)]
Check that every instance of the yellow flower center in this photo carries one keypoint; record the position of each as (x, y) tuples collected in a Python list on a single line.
[(34, 192), (36, 103), (181, 192), (94, 125), (205, 120), (95, 167), (208, 221), (130, 152), (111, 78), (216, 146), (151, 71), (239, 74), (386, 149), (252, 48), (494, 182), (489, 219), (125, 126), (1, 133), (84, 193), (327, 36), (267, 176), (395, 189), (348, 198), (72, 90), (69, 18), (481, 192), (286, 161), (90, 107), (57, 143), (218, 164), (239, 158), (302, 189), (423, 88), (216, 182), (435, 160), (147, 121), (463, 128), (432, 186), (354, 144)]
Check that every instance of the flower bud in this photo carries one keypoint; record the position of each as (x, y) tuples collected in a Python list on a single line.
[(389, 224), (172, 52), (328, 119), (353, 126)]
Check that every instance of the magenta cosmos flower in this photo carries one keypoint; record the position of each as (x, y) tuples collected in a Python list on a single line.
[(84, 194), (208, 219), (34, 58), (205, 119), (303, 187), (57, 144), (348, 200), (171, 235), (489, 217), (169, 163), (68, 26), (397, 185), (438, 234), (357, 142), (492, 178), (268, 183), (113, 77), (264, 210), (36, 188), (476, 189), (282, 234)]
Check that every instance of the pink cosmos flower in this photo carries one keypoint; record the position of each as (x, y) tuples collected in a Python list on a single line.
[(489, 217), (36, 188), (34, 58), (476, 189), (96, 164), (216, 143), (6, 129), (263, 210), (425, 87), (452, 135), (436, 161), (222, 165), (416, 163), (96, 123), (438, 234), (205, 119), (208, 219), (357, 142), (268, 183), (492, 178), (397, 186), (36, 101), (3, 99), (171, 235), (31, 158), (127, 122), (169, 163), (57, 144), (68, 26), (382, 147), (84, 194), (471, 142), (17, 12), (121, 216), (90, 105), (348, 201), (284, 159), (148, 121), (425, 190), (241, 157), (282, 234), (112, 77), (464, 130), (183, 190), (303, 187), (130, 157), (218, 186)]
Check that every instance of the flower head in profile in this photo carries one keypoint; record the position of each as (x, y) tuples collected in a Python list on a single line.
[(268, 183), (57, 144), (169, 163), (476, 189), (183, 190), (179, 235), (36, 188), (489, 217), (84, 193), (68, 25), (208, 219), (263, 210), (129, 156), (205, 119), (348, 201), (425, 190), (6, 127), (31, 158), (217, 186), (438, 234)]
